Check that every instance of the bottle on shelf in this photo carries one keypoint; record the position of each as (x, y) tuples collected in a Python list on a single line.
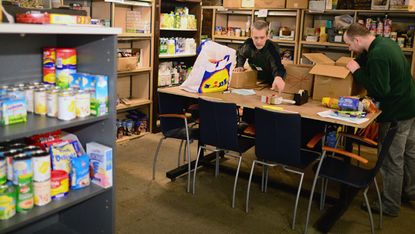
[(248, 26)]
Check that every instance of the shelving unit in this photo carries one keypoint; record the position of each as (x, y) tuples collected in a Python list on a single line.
[(90, 210), (135, 85), (163, 6)]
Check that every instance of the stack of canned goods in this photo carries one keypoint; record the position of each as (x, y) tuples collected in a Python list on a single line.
[(24, 178), (48, 100)]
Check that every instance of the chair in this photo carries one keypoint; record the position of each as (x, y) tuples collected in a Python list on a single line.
[(218, 129), (278, 143), (173, 123), (341, 171)]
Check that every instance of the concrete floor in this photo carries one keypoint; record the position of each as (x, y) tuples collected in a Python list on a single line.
[(144, 205)]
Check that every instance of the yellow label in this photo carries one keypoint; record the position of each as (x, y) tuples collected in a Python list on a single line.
[(40, 109)]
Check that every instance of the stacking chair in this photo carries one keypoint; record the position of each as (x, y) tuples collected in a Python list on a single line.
[(278, 143), (219, 132), (173, 123), (339, 170)]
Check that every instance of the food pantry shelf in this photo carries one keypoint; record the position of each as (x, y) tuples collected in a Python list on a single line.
[(127, 73), (176, 55), (129, 138), (134, 102), (39, 212)]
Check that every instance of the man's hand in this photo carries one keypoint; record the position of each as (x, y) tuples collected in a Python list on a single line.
[(278, 84), (352, 66), (238, 69)]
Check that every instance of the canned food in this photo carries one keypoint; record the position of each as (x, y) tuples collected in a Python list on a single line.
[(17, 146), (9, 162), (29, 95), (40, 101), (65, 66), (59, 184), (66, 106), (41, 193), (49, 69), (24, 197), (35, 83), (52, 102), (22, 169), (83, 104), (3, 170), (41, 166), (7, 201)]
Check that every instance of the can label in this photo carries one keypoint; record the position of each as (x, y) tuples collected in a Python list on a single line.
[(65, 66), (59, 187), (24, 197), (3, 171), (40, 103), (29, 100), (83, 104), (41, 168), (7, 202), (9, 163), (42, 194), (49, 59), (66, 107), (52, 104), (22, 171)]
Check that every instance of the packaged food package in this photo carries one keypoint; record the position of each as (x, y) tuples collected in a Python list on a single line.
[(80, 172), (100, 157), (62, 155)]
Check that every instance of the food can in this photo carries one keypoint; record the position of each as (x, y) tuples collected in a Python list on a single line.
[(41, 192), (35, 83), (29, 95), (22, 169), (24, 197), (49, 69), (40, 101), (41, 166), (65, 66), (9, 162), (59, 184), (83, 104), (30, 149), (66, 106), (7, 201), (16, 92), (3, 90), (17, 146), (52, 102), (3, 170)]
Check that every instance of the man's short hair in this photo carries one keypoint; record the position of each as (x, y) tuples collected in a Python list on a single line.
[(357, 29), (260, 24)]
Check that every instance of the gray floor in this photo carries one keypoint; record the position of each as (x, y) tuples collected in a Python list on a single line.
[(144, 205)]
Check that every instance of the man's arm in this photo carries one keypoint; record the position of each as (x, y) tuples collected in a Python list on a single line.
[(277, 68), (375, 77)]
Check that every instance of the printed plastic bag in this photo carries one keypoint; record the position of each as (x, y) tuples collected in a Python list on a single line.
[(212, 69)]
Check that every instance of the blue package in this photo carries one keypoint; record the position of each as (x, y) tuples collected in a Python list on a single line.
[(80, 172)]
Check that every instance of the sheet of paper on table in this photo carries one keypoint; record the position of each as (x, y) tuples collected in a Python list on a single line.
[(331, 114)]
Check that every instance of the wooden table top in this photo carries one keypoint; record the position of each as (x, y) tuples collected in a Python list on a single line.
[(308, 110)]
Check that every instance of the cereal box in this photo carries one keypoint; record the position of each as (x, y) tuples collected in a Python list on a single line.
[(100, 158)]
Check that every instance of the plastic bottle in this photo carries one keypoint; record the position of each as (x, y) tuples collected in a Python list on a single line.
[(331, 136), (247, 26)]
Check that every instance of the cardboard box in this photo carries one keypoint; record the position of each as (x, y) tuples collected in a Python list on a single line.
[(380, 5), (127, 63), (408, 5), (267, 4), (232, 3), (298, 77), (332, 79), (244, 80), (301, 4)]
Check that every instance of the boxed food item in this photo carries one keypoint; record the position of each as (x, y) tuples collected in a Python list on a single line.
[(301, 4), (245, 79), (266, 4), (127, 63), (332, 79), (100, 158), (379, 5), (12, 111), (99, 99), (408, 5)]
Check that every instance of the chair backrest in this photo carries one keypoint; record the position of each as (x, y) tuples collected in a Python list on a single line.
[(278, 137), (170, 104), (386, 144), (218, 124)]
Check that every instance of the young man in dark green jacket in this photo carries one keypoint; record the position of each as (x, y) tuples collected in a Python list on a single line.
[(383, 70)]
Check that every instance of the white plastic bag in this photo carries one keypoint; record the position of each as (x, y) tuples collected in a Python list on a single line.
[(212, 69)]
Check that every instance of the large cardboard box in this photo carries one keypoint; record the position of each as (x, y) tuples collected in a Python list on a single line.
[(244, 80), (232, 3), (332, 79), (408, 5), (301, 4), (267, 4), (298, 77), (127, 63)]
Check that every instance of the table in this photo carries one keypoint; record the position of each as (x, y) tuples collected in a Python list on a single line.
[(308, 110)]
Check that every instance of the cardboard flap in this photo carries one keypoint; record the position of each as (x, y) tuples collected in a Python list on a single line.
[(330, 70), (343, 61), (318, 58)]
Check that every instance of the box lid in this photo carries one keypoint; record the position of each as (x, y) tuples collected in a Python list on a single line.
[(343, 61), (330, 70), (319, 58)]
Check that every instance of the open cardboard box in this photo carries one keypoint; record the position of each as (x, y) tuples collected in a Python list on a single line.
[(297, 78), (244, 80), (332, 79), (127, 63)]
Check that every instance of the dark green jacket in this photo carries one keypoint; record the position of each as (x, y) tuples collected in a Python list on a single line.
[(266, 61), (386, 74)]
